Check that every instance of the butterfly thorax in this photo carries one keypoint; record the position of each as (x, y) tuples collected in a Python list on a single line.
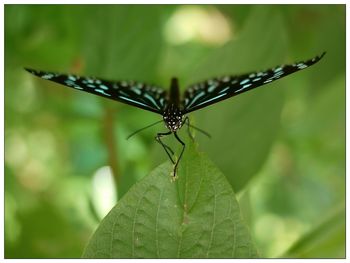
[(172, 115)]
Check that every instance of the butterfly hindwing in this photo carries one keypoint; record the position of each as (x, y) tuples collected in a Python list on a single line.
[(140, 95), (211, 91)]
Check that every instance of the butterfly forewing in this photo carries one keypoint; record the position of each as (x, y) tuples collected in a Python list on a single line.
[(140, 95), (214, 90)]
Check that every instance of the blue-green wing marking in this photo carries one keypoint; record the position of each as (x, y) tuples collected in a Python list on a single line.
[(147, 97), (214, 90)]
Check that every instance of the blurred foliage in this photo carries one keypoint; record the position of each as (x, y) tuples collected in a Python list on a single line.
[(281, 147)]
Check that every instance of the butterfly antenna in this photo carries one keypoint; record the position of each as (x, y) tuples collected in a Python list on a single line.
[(200, 130), (144, 128)]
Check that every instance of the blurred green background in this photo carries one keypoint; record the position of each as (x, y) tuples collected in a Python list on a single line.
[(282, 147)]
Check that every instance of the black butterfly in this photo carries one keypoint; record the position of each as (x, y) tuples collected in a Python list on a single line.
[(169, 104)]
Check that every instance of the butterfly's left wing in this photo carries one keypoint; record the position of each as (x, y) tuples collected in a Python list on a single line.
[(214, 90), (139, 95)]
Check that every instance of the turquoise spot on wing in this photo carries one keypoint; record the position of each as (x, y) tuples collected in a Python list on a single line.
[(219, 96), (47, 76), (136, 90), (244, 81), (301, 66), (151, 100), (277, 69), (278, 74), (102, 92), (225, 89), (212, 88), (103, 87), (268, 80), (244, 87), (133, 101), (69, 82), (202, 93), (72, 78), (72, 84)]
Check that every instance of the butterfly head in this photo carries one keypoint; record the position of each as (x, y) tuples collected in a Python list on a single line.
[(173, 118)]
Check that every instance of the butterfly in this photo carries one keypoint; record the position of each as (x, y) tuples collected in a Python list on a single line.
[(170, 104)]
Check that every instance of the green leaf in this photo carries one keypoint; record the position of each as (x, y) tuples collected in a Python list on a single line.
[(327, 240), (245, 127), (196, 216)]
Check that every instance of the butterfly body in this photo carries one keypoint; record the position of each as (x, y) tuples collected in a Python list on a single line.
[(173, 114), (170, 104)]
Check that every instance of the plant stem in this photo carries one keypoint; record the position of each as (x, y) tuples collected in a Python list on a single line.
[(111, 144)]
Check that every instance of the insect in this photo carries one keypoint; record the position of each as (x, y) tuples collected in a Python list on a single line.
[(170, 104)]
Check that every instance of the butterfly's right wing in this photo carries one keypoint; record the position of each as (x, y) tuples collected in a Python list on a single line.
[(212, 91), (140, 95)]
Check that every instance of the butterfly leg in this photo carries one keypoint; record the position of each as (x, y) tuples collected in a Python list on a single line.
[(187, 121), (182, 151), (166, 147)]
